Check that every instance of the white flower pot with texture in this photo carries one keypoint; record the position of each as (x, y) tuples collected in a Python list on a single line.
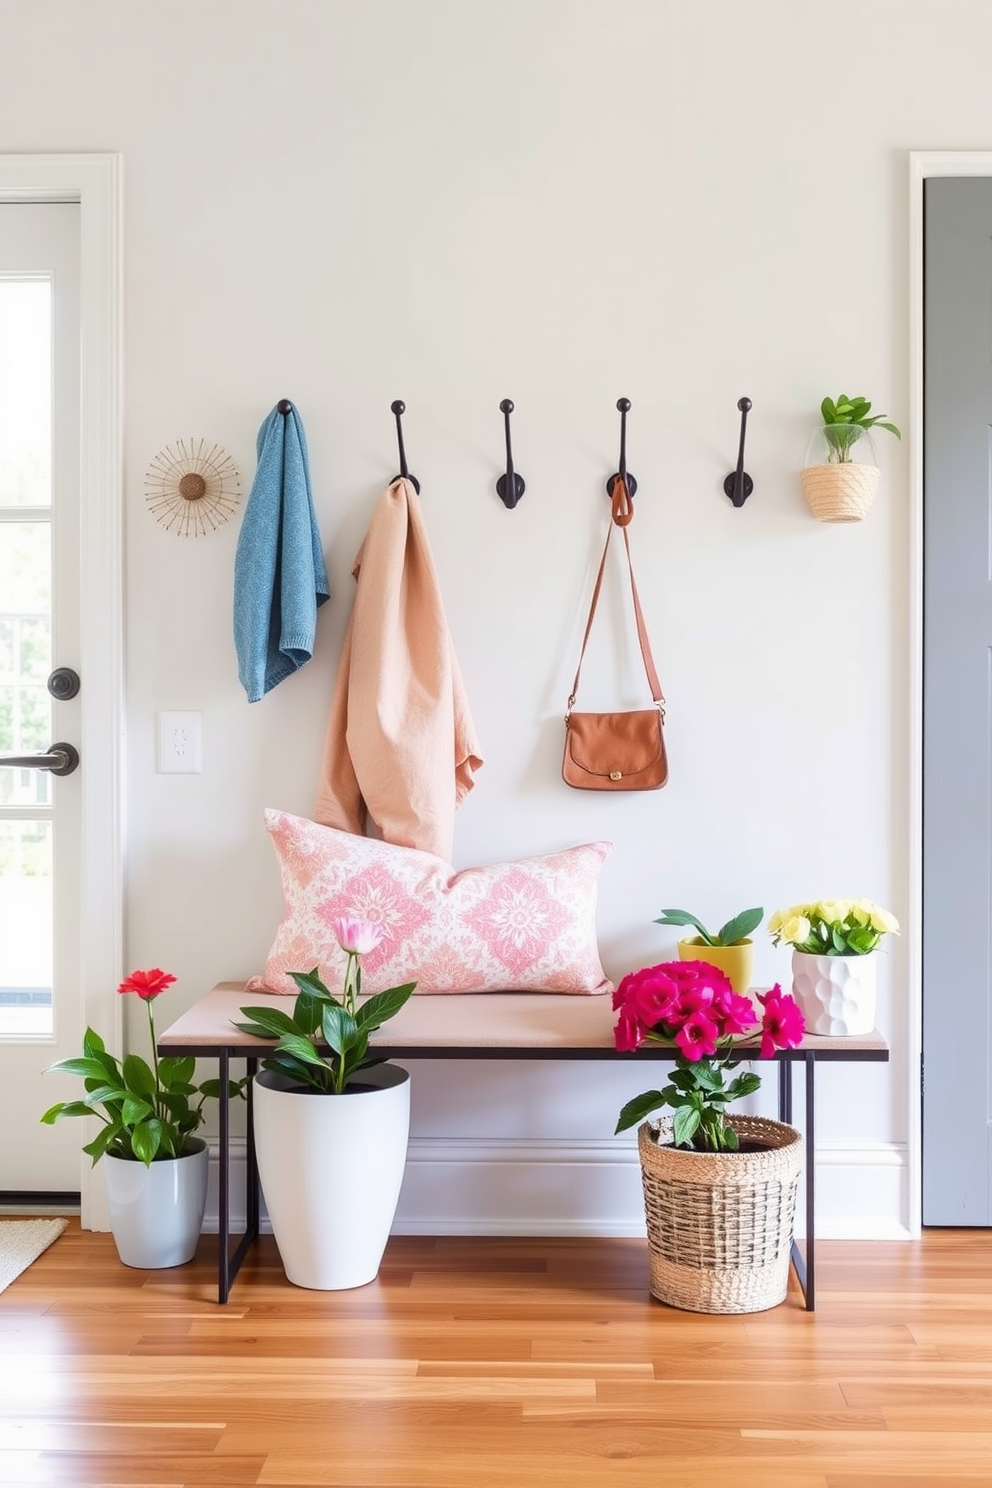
[(836, 993), (331, 1167), (156, 1212)]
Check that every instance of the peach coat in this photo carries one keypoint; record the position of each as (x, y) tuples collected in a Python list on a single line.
[(400, 751)]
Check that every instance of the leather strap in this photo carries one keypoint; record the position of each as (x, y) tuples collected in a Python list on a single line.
[(622, 513)]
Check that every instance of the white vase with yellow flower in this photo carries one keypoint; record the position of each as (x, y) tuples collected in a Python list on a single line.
[(834, 976)]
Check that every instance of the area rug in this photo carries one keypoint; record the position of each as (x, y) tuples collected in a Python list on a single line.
[(22, 1241)]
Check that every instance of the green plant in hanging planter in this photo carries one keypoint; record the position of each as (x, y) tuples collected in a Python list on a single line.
[(844, 419)]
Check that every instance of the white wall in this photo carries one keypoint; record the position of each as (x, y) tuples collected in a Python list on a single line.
[(344, 203)]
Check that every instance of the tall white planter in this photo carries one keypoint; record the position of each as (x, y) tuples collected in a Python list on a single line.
[(156, 1213), (836, 993), (331, 1167)]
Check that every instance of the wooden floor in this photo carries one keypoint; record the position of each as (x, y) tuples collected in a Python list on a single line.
[(472, 1362)]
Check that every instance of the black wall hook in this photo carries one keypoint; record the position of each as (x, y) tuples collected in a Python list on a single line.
[(738, 484), (511, 486), (399, 409), (284, 406), (623, 405)]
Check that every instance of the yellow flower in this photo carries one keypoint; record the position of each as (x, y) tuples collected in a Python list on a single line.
[(795, 929), (833, 911), (882, 921), (775, 922)]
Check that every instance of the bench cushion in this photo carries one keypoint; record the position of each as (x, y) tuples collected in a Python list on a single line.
[(527, 926)]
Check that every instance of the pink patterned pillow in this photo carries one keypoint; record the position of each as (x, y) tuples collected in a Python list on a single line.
[(512, 927)]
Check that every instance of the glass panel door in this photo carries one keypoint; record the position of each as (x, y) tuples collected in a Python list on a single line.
[(40, 991), (25, 728)]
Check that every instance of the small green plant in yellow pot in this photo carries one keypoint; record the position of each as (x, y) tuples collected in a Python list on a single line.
[(730, 948)]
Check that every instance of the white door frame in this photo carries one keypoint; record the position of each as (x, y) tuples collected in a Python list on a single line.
[(95, 182), (922, 165)]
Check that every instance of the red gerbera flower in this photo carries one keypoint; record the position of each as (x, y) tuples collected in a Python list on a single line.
[(147, 984)]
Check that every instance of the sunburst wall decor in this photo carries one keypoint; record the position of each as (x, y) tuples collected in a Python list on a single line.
[(191, 487)]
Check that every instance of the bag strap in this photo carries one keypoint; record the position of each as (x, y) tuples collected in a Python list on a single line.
[(622, 512)]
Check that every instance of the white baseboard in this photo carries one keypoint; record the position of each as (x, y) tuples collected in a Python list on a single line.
[(505, 1186)]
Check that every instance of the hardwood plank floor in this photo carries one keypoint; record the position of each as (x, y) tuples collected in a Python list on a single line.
[(473, 1362)]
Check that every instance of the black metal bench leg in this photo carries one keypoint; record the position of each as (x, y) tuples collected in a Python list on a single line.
[(810, 1288), (252, 1187), (230, 1264), (802, 1265), (224, 1178)]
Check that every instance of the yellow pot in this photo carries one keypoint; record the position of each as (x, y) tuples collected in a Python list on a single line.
[(735, 961)]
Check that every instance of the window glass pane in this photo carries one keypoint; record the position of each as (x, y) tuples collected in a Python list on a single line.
[(25, 656), (25, 392), (25, 928)]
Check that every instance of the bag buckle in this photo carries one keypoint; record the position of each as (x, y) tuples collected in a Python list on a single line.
[(616, 775)]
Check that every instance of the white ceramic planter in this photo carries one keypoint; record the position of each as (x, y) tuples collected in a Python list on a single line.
[(836, 993), (331, 1167), (156, 1213)]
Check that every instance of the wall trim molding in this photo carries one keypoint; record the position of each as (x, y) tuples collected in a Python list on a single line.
[(589, 1187)]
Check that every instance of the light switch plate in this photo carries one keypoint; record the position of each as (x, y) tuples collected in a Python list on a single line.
[(179, 744)]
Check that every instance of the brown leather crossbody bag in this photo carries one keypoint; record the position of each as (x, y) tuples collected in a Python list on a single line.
[(617, 751)]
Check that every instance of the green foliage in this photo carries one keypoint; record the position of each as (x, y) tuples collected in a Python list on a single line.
[(146, 1113), (843, 421), (698, 1094), (732, 933), (324, 1044)]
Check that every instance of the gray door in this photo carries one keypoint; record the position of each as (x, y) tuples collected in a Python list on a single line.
[(957, 792)]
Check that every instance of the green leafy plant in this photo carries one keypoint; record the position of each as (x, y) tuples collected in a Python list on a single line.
[(148, 1111), (843, 421), (732, 933), (320, 1021)]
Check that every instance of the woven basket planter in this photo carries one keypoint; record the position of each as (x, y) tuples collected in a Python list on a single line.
[(840, 493), (720, 1223)]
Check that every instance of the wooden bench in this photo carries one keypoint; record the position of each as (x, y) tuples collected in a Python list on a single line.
[(489, 1025)]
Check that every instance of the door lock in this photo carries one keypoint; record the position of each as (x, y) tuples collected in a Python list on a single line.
[(63, 684)]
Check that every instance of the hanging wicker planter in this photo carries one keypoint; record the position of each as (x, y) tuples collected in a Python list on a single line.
[(840, 473), (720, 1223), (840, 493)]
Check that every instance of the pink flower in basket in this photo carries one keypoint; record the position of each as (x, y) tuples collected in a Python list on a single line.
[(692, 1007)]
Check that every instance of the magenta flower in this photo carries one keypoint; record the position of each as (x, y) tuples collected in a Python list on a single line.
[(629, 1033), (698, 976), (697, 1037), (738, 1015), (783, 1024), (691, 1006), (695, 1000), (356, 937), (649, 995)]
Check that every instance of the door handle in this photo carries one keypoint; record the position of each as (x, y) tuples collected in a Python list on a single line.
[(59, 759)]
